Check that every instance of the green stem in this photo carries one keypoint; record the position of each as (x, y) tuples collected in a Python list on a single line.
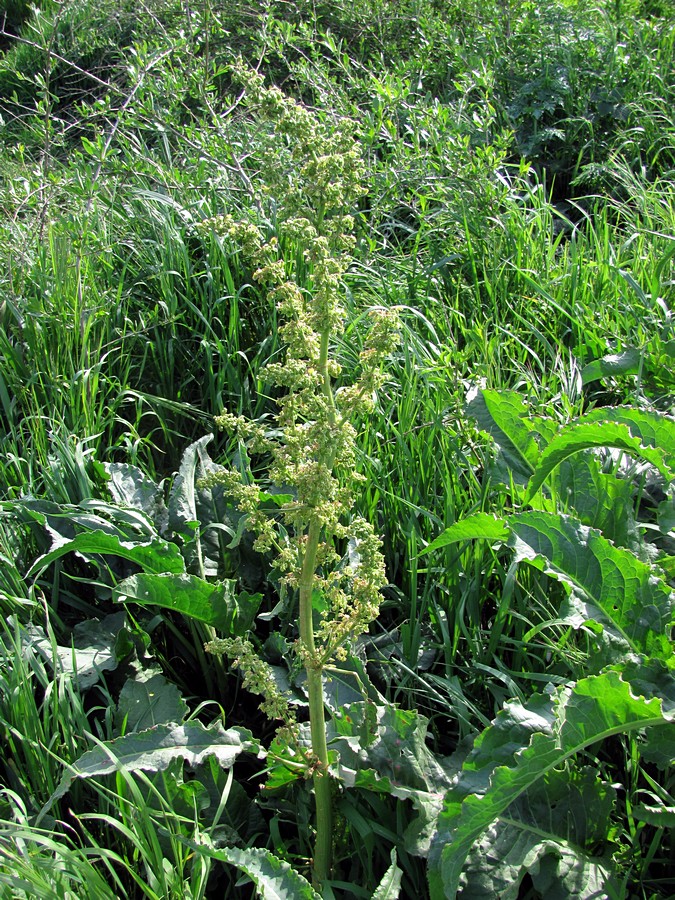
[(326, 387), (314, 670), (317, 719)]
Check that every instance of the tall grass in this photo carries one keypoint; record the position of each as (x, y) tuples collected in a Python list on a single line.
[(520, 214)]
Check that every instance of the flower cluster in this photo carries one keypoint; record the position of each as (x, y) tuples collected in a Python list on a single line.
[(257, 676), (314, 171)]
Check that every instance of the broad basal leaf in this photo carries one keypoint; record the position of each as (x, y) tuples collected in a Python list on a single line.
[(183, 496), (155, 555), (582, 435), (637, 603), (390, 886), (154, 749), (92, 652), (273, 877), (523, 745), (504, 416), (481, 526), (499, 863), (383, 749), (145, 702), (652, 676), (625, 363), (599, 500), (659, 816), (666, 511), (654, 429), (217, 605), (131, 487), (608, 643), (54, 524), (214, 539), (390, 740), (551, 833)]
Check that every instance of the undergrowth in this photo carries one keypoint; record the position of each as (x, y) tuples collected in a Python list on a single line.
[(516, 208)]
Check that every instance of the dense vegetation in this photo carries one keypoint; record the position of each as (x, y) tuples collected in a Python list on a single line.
[(422, 268)]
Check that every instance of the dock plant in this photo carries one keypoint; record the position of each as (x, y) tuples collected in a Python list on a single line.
[(312, 176)]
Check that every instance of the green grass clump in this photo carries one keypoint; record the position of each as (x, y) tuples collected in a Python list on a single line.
[(518, 211)]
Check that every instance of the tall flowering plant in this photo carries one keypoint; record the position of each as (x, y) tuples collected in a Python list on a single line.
[(312, 173)]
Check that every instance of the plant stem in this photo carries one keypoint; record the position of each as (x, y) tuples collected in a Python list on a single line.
[(317, 719), (314, 670)]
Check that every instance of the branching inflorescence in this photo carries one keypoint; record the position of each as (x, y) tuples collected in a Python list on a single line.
[(312, 172)]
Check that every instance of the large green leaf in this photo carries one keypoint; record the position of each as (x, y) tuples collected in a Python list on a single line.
[(637, 603), (481, 526), (584, 434), (383, 749), (154, 749), (390, 885), (58, 523), (523, 745), (625, 363), (155, 555), (273, 877), (131, 487), (217, 605), (389, 740), (183, 514), (558, 870), (654, 429), (607, 643), (93, 649), (550, 832), (201, 516), (600, 500), (145, 702), (504, 416), (215, 543)]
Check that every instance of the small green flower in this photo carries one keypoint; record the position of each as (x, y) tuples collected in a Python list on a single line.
[(314, 171)]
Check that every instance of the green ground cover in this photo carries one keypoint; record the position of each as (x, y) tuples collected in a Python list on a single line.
[(426, 265)]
